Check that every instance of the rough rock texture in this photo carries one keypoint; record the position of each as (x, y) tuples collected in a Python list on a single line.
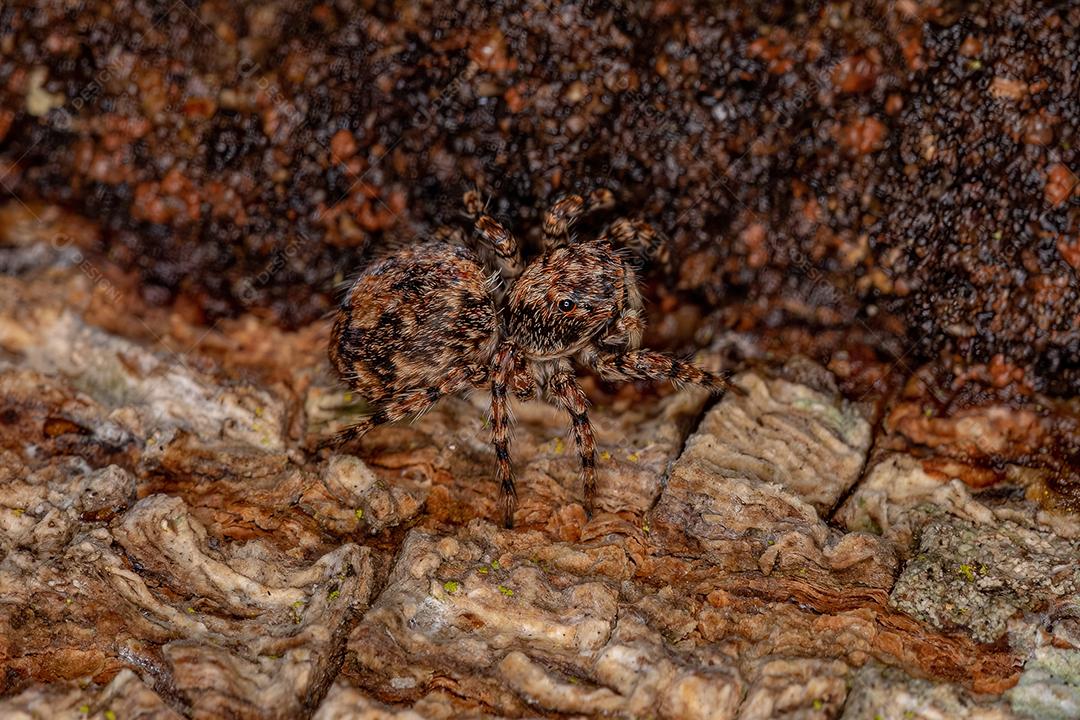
[(218, 631), (812, 442), (889, 694), (821, 161), (1050, 685), (977, 576), (171, 545), (125, 696)]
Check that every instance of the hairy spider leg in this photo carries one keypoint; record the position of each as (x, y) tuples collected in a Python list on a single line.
[(565, 211), (495, 236), (571, 398), (503, 376), (653, 365), (522, 382), (640, 238), (410, 403)]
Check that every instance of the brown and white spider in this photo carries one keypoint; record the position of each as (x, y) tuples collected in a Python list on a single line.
[(431, 320)]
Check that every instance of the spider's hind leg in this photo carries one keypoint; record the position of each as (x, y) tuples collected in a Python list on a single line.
[(407, 404)]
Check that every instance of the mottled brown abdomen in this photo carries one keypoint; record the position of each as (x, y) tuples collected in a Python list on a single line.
[(412, 318)]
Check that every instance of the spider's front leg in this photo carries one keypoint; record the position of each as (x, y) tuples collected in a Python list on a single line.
[(496, 237), (652, 365), (567, 210), (409, 403), (502, 378), (640, 238), (568, 393)]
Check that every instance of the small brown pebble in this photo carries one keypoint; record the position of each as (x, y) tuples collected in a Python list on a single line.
[(1000, 371), (856, 74), (1070, 251), (200, 108), (488, 51), (971, 47), (863, 136), (515, 101), (576, 92), (754, 239), (342, 145), (1060, 183), (1004, 88), (1038, 130), (910, 40)]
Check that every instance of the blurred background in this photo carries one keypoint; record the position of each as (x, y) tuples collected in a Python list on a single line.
[(901, 172)]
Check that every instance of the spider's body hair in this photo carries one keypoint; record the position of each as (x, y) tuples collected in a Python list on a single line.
[(410, 319), (567, 297), (426, 322)]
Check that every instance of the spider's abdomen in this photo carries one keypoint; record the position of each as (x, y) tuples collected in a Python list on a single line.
[(411, 318)]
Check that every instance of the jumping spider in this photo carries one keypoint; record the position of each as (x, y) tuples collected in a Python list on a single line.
[(434, 319)]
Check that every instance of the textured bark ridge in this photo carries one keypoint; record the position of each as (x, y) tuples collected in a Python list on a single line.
[(171, 548)]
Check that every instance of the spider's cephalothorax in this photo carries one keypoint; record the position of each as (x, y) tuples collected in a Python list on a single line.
[(425, 323), (569, 297)]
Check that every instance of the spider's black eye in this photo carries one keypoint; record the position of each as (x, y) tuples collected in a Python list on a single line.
[(566, 304)]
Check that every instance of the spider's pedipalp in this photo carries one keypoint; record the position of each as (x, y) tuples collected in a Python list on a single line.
[(625, 330), (625, 333)]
